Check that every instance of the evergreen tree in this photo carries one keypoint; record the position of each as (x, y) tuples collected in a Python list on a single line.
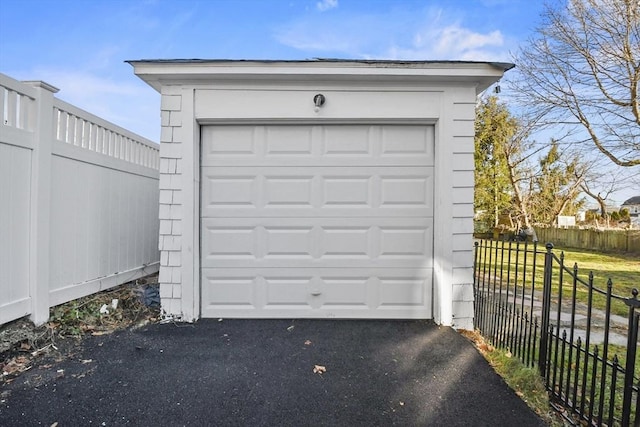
[(494, 128)]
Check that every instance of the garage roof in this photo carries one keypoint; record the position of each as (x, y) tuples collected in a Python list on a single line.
[(159, 72)]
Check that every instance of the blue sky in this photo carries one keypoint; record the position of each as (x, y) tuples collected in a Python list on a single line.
[(80, 46)]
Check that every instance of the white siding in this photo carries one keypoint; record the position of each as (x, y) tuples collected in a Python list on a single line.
[(462, 212)]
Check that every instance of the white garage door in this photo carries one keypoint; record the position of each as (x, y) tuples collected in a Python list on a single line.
[(317, 221)]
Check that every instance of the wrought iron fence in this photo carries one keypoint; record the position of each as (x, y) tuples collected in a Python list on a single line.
[(582, 339)]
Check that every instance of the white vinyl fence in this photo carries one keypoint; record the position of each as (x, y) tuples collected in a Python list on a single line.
[(78, 202)]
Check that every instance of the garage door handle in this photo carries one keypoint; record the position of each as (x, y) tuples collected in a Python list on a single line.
[(316, 293)]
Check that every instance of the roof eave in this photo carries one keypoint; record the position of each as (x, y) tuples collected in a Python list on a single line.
[(158, 73)]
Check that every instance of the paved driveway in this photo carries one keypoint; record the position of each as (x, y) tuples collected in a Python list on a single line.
[(260, 373)]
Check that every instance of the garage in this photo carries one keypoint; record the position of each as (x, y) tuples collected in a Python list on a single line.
[(317, 221), (317, 188)]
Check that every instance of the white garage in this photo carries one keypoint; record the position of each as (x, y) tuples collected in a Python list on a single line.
[(317, 189)]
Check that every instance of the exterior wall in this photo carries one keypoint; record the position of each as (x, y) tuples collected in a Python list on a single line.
[(451, 108), (462, 181), (171, 212), (77, 202), (634, 210)]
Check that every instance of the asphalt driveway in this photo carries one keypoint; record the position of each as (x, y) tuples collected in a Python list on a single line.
[(261, 373)]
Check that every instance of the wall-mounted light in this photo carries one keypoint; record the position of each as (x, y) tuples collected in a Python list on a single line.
[(318, 101)]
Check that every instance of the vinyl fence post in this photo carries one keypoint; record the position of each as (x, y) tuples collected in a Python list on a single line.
[(41, 202), (546, 309)]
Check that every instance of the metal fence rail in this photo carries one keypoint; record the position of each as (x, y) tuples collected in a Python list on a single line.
[(528, 301)]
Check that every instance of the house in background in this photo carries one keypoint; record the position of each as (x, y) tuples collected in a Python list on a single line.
[(317, 189), (633, 206)]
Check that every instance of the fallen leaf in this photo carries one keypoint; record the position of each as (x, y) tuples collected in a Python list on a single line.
[(25, 346), (307, 342), (401, 403), (85, 361), (54, 424), (290, 328), (19, 364), (319, 369)]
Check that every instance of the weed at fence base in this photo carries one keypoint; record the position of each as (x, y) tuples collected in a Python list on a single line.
[(525, 381)]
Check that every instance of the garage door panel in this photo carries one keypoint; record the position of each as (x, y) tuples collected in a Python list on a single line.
[(339, 293), (317, 221), (314, 242), (229, 289), (335, 145), (287, 191), (348, 142), (317, 192), (231, 242), (285, 141), (405, 141), (405, 191)]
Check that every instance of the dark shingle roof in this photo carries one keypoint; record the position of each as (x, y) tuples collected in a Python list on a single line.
[(632, 201)]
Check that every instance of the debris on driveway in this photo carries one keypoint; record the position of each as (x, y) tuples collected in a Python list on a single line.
[(319, 369), (98, 314)]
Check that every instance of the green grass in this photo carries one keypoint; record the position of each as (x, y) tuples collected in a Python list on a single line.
[(586, 382), (518, 268), (525, 381), (622, 269)]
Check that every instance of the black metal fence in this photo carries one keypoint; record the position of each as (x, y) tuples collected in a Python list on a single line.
[(582, 338)]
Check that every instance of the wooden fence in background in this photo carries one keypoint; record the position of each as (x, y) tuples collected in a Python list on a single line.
[(78, 202), (600, 240)]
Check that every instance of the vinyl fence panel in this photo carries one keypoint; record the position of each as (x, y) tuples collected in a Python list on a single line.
[(15, 171), (78, 202)]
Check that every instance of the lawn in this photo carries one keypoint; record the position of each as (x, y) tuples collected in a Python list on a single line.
[(505, 267), (622, 269), (515, 264)]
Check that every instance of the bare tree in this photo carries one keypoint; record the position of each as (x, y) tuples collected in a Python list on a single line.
[(600, 187), (582, 71)]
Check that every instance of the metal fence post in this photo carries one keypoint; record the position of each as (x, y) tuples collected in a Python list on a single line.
[(476, 298), (629, 370), (546, 309)]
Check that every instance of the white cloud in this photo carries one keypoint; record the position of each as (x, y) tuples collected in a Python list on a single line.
[(326, 5), (432, 34), (452, 42), (463, 40)]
